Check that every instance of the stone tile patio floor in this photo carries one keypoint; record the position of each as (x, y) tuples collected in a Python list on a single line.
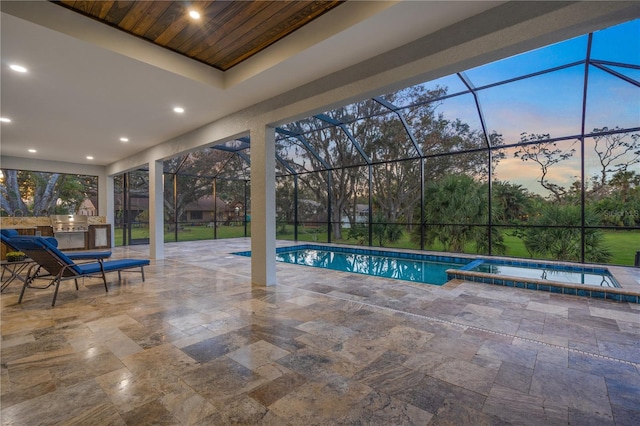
[(196, 344)]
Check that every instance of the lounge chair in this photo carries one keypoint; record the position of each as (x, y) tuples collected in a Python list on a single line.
[(60, 267), (15, 270), (7, 234)]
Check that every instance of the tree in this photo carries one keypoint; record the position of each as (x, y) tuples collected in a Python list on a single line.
[(511, 203), (285, 208), (616, 153), (545, 154), (556, 233), (384, 231), (456, 213), (333, 145), (11, 193), (621, 207), (42, 194), (385, 140), (193, 174)]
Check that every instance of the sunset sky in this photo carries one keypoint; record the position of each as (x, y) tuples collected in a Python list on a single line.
[(551, 103)]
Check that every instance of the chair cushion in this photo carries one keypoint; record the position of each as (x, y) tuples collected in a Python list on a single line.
[(9, 232), (30, 242), (85, 255), (52, 241), (112, 265)]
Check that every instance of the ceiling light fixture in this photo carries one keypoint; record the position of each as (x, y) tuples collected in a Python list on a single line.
[(89, 157), (194, 14), (5, 120), (179, 110), (32, 151), (18, 68), (124, 139)]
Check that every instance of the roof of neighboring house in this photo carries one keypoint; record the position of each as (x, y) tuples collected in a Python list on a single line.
[(87, 205), (206, 204)]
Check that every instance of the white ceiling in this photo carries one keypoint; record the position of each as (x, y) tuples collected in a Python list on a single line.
[(89, 84)]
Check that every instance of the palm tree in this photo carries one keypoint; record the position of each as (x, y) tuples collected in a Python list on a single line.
[(511, 203), (556, 233), (456, 213)]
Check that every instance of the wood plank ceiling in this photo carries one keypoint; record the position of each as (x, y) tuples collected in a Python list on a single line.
[(227, 33)]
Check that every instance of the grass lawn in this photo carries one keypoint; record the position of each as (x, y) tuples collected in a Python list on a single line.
[(187, 233), (622, 244)]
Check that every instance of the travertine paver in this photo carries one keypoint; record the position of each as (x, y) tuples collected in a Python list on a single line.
[(197, 344)]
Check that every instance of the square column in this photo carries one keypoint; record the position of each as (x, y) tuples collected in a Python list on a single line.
[(106, 203), (263, 206), (156, 210)]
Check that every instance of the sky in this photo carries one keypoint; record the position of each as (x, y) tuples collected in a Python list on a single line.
[(551, 103)]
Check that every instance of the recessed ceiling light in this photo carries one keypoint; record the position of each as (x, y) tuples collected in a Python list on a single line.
[(5, 120), (32, 150), (18, 68), (89, 157), (194, 14), (124, 139), (179, 110)]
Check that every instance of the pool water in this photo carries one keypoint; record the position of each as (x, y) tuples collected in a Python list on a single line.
[(432, 269), (569, 276), (597, 277), (422, 271)]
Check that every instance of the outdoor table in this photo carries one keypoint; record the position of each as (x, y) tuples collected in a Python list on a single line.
[(13, 270)]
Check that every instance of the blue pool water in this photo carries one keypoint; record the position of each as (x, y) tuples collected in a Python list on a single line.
[(426, 269), (431, 269), (568, 274), (389, 267)]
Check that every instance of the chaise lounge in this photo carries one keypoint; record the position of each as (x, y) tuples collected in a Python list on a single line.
[(15, 269), (7, 234), (61, 267)]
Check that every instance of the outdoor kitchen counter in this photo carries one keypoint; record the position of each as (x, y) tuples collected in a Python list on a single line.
[(98, 235), (14, 222)]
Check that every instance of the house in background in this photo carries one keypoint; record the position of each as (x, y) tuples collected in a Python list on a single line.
[(203, 210), (87, 208)]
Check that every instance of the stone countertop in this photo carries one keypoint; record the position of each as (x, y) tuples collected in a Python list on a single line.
[(30, 222)]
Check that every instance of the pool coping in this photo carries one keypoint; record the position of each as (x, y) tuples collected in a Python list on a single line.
[(617, 294), (627, 277)]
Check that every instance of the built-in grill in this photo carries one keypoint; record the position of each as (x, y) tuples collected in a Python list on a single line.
[(69, 223), (70, 230)]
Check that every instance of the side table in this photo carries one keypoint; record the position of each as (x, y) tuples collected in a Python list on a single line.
[(13, 270)]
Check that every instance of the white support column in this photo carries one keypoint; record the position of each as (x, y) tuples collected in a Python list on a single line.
[(106, 203), (263, 206), (156, 210)]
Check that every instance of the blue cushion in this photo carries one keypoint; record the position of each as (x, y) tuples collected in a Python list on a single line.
[(54, 248), (84, 255), (27, 242), (52, 241), (9, 233), (112, 265), (40, 243)]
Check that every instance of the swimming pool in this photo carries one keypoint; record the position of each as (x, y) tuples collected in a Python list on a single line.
[(579, 280), (385, 265), (422, 268), (598, 277), (575, 280)]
